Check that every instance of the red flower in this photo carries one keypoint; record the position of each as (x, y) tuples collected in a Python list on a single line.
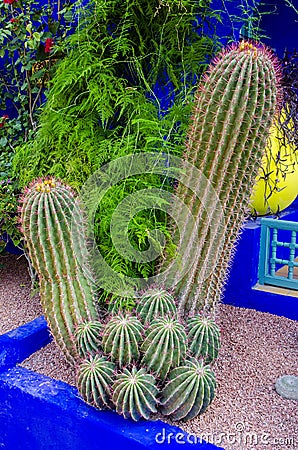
[(14, 20), (3, 119), (9, 2), (48, 45)]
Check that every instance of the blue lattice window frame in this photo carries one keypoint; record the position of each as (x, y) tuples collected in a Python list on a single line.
[(269, 261)]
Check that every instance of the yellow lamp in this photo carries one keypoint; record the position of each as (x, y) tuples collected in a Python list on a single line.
[(277, 183)]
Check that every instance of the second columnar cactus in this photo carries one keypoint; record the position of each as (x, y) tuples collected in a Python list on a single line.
[(232, 114), (53, 226), (88, 335)]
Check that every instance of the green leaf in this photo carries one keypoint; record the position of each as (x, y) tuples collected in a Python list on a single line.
[(3, 141)]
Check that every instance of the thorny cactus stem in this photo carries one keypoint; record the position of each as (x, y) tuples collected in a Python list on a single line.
[(233, 111), (53, 226)]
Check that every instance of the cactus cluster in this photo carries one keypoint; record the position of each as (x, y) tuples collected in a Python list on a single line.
[(150, 353), (131, 360), (156, 357)]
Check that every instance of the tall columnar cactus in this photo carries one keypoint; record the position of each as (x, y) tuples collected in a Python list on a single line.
[(135, 394), (156, 302), (53, 227), (190, 390), (233, 111), (203, 338), (164, 346), (121, 337)]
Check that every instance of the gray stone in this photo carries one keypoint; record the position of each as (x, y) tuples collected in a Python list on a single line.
[(287, 386)]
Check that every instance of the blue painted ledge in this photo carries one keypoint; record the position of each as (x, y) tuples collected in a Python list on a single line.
[(37, 412), (18, 344)]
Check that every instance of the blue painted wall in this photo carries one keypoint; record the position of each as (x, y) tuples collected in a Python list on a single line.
[(281, 26)]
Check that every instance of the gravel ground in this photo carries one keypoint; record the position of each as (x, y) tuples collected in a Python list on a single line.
[(257, 348), (17, 305)]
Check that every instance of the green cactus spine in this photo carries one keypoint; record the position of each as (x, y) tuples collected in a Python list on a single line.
[(88, 337), (191, 388), (135, 394), (53, 227), (121, 337), (154, 303), (233, 111), (164, 346), (95, 377), (203, 338)]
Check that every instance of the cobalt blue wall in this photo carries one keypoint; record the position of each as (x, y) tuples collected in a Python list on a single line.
[(281, 26)]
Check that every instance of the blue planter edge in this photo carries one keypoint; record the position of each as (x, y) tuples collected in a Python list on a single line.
[(18, 344), (38, 412)]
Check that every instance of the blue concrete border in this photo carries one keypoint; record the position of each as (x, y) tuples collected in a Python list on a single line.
[(38, 413), (18, 344)]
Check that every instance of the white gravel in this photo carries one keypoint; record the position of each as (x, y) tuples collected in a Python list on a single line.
[(257, 348)]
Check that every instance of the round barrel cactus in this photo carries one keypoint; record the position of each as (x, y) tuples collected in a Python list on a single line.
[(203, 338), (164, 346), (156, 302), (191, 388), (121, 338), (135, 394), (88, 337), (95, 377)]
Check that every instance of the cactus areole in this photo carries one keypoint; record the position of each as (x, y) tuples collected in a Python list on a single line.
[(58, 253), (232, 114)]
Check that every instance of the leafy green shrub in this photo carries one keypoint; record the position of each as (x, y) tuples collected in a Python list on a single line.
[(102, 105)]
